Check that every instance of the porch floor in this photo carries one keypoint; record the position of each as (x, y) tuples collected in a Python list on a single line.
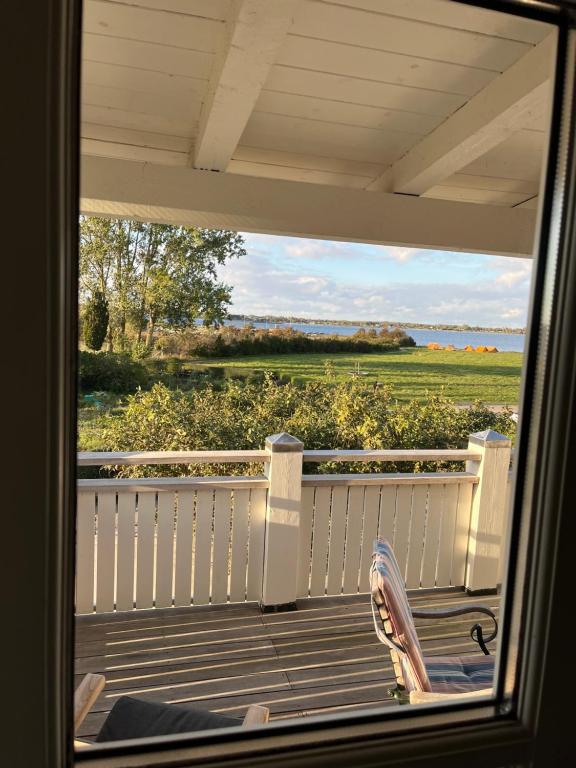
[(321, 658)]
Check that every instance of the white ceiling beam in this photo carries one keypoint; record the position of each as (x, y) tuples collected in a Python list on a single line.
[(507, 104), (256, 30), (167, 194)]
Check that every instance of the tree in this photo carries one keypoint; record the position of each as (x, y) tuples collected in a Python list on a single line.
[(155, 273), (179, 283), (96, 254), (95, 321)]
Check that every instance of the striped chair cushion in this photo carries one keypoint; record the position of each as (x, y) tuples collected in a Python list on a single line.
[(459, 674), (399, 618)]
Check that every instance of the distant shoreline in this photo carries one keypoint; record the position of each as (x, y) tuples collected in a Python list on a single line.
[(374, 323)]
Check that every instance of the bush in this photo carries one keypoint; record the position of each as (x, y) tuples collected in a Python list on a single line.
[(174, 366), (139, 350), (232, 342), (217, 372), (110, 372), (239, 415)]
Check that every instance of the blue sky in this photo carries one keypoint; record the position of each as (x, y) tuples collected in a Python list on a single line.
[(320, 279)]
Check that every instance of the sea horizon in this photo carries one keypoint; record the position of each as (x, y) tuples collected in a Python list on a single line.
[(287, 320), (503, 341)]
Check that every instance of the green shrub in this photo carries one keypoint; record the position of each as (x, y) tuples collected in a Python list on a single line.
[(155, 367), (217, 372), (139, 350), (239, 415), (173, 366), (110, 372), (256, 377), (232, 342)]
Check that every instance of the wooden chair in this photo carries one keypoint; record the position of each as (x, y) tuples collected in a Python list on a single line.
[(84, 698), (92, 685), (421, 679)]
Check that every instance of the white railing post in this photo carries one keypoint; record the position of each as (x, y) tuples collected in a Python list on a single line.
[(489, 510), (284, 471)]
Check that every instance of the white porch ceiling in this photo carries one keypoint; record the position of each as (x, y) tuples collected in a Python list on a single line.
[(425, 98)]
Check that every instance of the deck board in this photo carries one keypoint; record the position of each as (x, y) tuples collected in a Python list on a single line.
[(321, 658)]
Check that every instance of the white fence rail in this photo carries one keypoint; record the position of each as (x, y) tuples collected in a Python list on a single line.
[(426, 519), (160, 542)]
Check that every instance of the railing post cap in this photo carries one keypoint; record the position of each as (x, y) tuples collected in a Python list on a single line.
[(284, 443), (490, 439)]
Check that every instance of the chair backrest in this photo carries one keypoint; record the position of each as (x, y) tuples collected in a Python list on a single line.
[(399, 632)]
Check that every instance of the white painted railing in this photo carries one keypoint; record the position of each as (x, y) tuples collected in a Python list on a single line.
[(164, 542), (426, 518), (170, 541)]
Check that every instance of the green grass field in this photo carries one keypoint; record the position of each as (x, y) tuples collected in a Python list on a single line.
[(463, 376)]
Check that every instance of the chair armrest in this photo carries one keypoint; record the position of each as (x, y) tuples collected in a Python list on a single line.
[(85, 696), (425, 697), (447, 613), (256, 715)]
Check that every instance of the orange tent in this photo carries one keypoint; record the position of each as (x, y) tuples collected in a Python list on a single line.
[(468, 348), (491, 349)]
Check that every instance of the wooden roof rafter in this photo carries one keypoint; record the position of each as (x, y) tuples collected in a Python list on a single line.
[(413, 122), (255, 32), (501, 109)]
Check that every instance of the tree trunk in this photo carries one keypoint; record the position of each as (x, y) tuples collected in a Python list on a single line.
[(122, 334), (110, 339), (141, 320), (150, 333)]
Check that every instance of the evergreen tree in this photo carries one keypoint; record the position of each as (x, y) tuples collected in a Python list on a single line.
[(95, 322)]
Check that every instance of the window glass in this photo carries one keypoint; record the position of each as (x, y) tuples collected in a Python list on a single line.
[(306, 250)]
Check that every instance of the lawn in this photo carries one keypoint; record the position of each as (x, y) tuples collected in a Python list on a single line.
[(462, 376), (91, 408)]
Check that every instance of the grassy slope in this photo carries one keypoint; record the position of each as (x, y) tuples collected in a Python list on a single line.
[(464, 376)]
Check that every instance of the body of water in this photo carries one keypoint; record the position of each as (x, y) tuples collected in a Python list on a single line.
[(505, 342)]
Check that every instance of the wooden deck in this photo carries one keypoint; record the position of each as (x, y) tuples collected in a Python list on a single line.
[(323, 657)]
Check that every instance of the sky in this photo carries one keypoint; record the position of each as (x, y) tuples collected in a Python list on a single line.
[(353, 281)]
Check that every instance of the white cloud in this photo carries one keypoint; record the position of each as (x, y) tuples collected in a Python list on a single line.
[(282, 280), (513, 277), (311, 283), (310, 249), (323, 250), (402, 255)]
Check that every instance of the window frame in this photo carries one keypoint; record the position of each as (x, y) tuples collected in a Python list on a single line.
[(515, 728)]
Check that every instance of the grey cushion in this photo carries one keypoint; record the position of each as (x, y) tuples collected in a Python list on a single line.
[(132, 718)]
